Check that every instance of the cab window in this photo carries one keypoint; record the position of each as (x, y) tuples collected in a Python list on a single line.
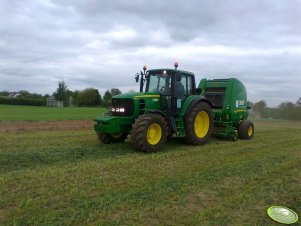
[(184, 86)]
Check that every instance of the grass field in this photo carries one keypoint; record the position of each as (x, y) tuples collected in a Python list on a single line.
[(33, 113), (67, 177)]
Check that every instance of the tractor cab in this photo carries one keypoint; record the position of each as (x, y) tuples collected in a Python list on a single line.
[(173, 86)]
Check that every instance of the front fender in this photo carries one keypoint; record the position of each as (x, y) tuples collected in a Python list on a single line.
[(170, 122)]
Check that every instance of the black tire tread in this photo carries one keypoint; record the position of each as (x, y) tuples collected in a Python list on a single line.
[(106, 138), (120, 139), (138, 138), (243, 129), (191, 137)]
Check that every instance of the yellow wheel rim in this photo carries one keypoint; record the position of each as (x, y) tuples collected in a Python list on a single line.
[(116, 135), (250, 131), (201, 124), (154, 133)]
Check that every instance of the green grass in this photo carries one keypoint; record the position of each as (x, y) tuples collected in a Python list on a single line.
[(57, 178), (33, 113)]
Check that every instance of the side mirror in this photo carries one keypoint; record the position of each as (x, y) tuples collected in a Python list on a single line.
[(199, 91), (137, 77)]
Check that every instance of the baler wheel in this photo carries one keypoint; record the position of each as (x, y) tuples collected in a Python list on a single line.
[(246, 130), (149, 133), (199, 124), (107, 138)]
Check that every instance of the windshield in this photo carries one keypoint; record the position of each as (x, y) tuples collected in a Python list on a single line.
[(159, 83)]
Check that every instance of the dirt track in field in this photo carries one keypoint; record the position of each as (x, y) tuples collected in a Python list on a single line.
[(23, 126)]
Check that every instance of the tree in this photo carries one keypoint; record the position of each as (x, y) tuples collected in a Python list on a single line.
[(75, 96), (46, 96), (131, 91), (4, 93), (61, 91), (107, 99), (35, 96), (89, 97), (260, 107), (287, 110), (298, 103), (115, 91), (23, 94), (27, 95)]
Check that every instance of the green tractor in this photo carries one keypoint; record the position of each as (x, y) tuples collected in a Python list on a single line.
[(170, 105)]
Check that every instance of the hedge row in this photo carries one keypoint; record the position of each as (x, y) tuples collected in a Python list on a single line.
[(23, 101)]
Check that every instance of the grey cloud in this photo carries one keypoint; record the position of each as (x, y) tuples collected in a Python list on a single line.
[(103, 43), (248, 22)]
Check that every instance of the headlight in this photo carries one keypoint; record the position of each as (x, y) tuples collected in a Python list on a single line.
[(118, 110), (122, 107)]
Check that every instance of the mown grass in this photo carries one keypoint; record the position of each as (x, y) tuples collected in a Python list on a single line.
[(51, 178), (34, 113)]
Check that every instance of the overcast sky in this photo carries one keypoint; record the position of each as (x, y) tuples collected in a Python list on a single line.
[(102, 44)]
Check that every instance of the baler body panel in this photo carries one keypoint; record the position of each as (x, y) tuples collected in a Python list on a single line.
[(229, 99)]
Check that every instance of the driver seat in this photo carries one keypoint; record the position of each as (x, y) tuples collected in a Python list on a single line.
[(179, 90)]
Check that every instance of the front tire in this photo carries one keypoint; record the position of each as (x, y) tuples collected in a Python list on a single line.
[(107, 138), (199, 124), (149, 133)]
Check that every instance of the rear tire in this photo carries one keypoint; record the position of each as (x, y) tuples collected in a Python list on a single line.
[(199, 124), (149, 133), (246, 130), (107, 138)]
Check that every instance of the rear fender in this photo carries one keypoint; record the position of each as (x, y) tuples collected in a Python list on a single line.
[(191, 101)]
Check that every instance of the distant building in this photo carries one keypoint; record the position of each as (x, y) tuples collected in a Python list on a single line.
[(52, 102), (14, 94)]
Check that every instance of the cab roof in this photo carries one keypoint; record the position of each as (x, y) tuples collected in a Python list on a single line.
[(171, 70)]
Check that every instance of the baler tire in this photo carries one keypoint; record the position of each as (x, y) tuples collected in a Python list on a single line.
[(107, 138), (141, 126), (246, 130), (191, 137)]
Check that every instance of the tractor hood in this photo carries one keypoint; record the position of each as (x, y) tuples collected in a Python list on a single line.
[(133, 104), (137, 95)]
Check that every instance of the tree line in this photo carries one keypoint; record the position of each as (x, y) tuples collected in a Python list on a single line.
[(286, 110), (92, 97), (22, 97), (87, 97)]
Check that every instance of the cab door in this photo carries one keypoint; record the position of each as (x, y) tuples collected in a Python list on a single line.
[(183, 86)]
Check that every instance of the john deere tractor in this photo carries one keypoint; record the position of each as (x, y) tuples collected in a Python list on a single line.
[(170, 105)]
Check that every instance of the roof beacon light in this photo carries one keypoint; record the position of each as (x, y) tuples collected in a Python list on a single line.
[(176, 65)]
